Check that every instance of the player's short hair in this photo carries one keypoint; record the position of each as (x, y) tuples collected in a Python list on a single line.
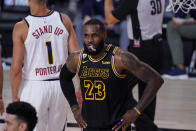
[(24, 112), (96, 22)]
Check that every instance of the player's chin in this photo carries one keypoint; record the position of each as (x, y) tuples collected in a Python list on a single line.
[(90, 51)]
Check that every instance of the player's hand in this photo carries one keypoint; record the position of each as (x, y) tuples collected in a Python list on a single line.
[(1, 107), (129, 117), (176, 24), (78, 117)]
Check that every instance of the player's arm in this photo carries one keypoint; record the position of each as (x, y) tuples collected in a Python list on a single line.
[(19, 33), (72, 39), (1, 86), (66, 75), (129, 62), (125, 8), (108, 8), (126, 61)]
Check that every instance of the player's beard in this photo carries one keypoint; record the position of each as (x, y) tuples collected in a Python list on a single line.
[(94, 51)]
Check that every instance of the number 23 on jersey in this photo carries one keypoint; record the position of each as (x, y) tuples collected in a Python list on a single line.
[(95, 90)]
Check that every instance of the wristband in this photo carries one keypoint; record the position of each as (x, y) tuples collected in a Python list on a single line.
[(138, 112), (74, 108)]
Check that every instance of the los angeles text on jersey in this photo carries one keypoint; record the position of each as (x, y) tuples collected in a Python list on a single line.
[(48, 70), (47, 29)]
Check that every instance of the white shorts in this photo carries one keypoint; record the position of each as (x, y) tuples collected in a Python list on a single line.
[(49, 101)]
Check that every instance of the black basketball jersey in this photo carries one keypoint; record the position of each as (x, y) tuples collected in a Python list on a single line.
[(104, 91)]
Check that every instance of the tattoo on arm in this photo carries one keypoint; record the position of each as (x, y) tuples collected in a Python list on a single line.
[(143, 72), (129, 61), (132, 64)]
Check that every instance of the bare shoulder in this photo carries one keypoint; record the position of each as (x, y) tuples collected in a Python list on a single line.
[(125, 56), (126, 60), (72, 61), (20, 26), (66, 20), (20, 29)]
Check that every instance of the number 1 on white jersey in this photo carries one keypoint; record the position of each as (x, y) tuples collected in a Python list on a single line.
[(50, 52)]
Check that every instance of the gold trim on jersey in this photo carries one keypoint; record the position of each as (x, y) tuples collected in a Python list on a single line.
[(25, 21), (100, 58), (49, 13), (80, 59), (108, 47), (113, 67)]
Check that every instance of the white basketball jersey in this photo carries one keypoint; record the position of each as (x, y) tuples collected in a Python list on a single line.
[(46, 47), (150, 15)]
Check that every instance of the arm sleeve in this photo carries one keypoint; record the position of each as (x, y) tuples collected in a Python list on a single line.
[(125, 8), (67, 86)]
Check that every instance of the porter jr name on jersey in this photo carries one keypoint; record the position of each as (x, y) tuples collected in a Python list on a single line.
[(47, 29), (48, 70)]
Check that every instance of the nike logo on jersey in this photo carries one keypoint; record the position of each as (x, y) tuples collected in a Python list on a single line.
[(106, 62), (84, 61)]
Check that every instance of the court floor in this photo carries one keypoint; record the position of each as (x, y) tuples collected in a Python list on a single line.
[(176, 104)]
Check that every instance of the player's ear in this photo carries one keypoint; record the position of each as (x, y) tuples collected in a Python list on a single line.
[(23, 126)]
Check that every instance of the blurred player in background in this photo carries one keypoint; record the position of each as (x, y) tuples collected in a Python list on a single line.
[(43, 40), (20, 116)]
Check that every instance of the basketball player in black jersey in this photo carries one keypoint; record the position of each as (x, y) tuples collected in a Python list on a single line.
[(102, 71)]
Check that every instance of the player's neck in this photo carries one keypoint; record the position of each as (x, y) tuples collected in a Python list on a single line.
[(39, 10)]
